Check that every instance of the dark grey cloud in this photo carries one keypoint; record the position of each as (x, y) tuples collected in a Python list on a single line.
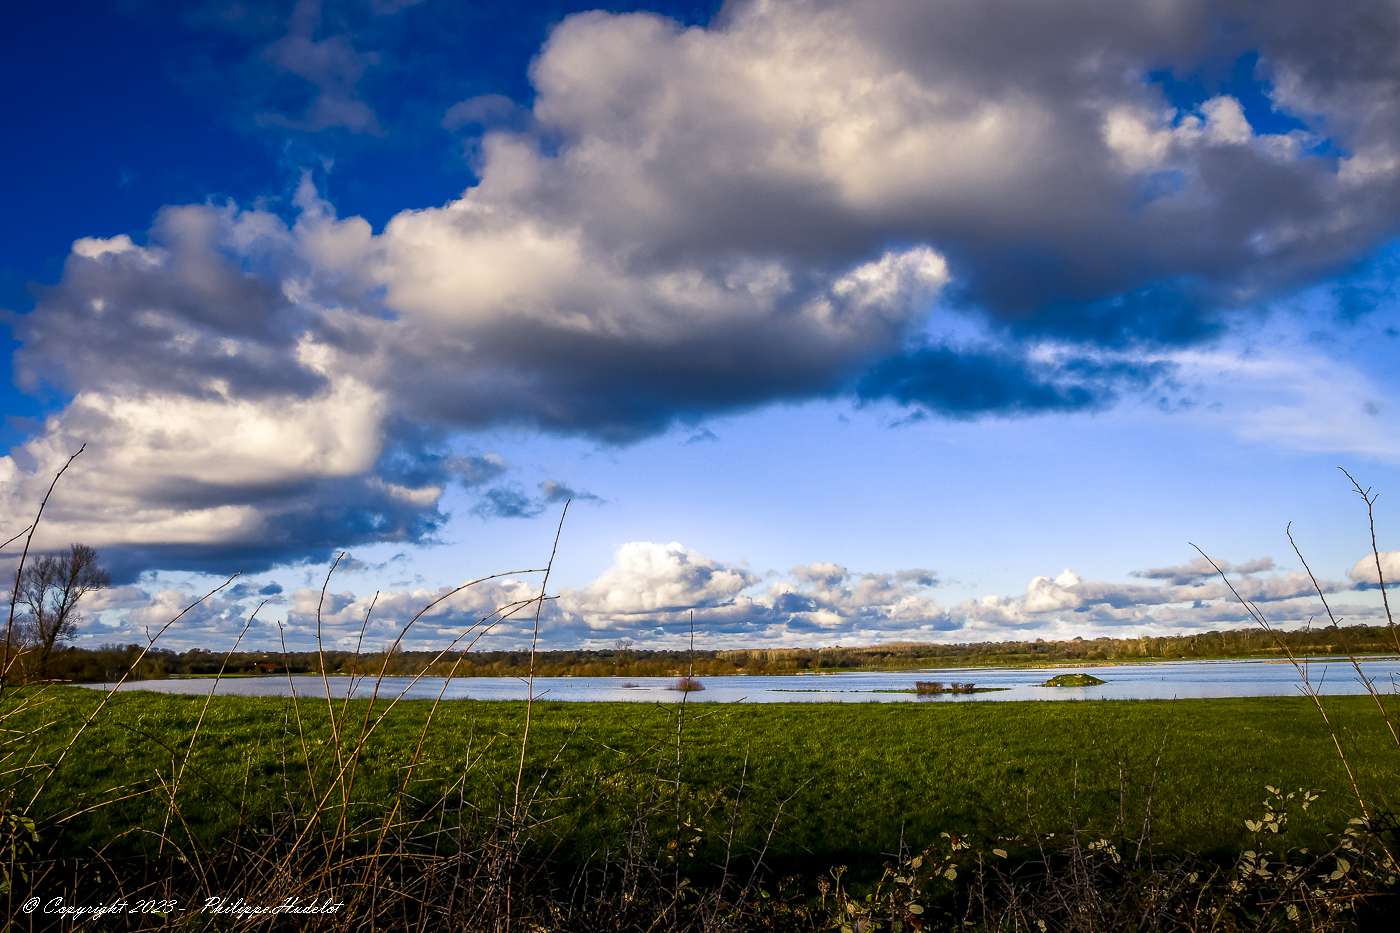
[(702, 436), (476, 469), (981, 381), (417, 455), (917, 576), (308, 525), (352, 564), (507, 502), (554, 491), (297, 67), (511, 501), (1371, 284), (484, 110), (789, 604), (1201, 569), (331, 68)]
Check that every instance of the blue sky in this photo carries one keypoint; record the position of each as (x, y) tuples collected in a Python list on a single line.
[(839, 323)]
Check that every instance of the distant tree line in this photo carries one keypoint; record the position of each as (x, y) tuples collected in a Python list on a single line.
[(69, 663)]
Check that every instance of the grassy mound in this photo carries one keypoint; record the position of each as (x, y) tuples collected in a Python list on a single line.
[(1072, 680)]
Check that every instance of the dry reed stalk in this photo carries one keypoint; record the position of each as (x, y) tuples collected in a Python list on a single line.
[(199, 723), (359, 644), (534, 647), (1308, 689), (1351, 656), (529, 705), (334, 845), (321, 659), (504, 613), (22, 532), (1370, 499), (63, 753)]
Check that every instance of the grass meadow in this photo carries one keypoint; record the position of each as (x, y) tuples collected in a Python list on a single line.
[(856, 778), (807, 803)]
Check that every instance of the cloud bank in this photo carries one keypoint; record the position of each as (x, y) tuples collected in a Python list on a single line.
[(651, 591)]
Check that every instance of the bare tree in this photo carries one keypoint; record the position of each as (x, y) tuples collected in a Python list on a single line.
[(50, 589)]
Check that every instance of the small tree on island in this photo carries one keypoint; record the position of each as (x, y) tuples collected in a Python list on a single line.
[(50, 589)]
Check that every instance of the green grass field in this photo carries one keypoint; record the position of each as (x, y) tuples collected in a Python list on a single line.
[(852, 781)]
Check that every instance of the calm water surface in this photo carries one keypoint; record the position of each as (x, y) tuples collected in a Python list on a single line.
[(1154, 681)]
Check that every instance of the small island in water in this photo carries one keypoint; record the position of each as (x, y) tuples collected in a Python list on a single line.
[(935, 687), (1073, 680)]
